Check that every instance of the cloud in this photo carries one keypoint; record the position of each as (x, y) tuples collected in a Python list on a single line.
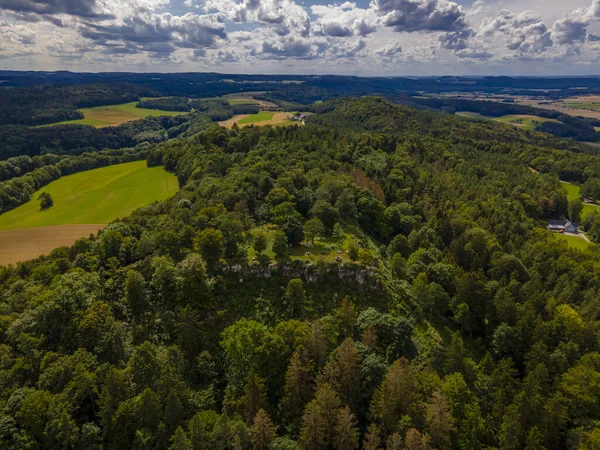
[(569, 31), (456, 41), (284, 16), (159, 33), (525, 34), (81, 8), (421, 15), (344, 20)]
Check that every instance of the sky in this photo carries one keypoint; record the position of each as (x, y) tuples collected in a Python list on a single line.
[(362, 37)]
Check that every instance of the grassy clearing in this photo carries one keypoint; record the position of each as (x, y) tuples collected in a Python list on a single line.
[(592, 106), (573, 194), (242, 101), (112, 115), (94, 197), (526, 122), (262, 116), (574, 241)]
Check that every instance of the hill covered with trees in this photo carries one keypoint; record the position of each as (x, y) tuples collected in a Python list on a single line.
[(438, 313)]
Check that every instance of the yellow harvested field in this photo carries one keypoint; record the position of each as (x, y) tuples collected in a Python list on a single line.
[(280, 118), (26, 244)]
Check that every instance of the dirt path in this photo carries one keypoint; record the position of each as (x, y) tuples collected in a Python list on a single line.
[(26, 244)]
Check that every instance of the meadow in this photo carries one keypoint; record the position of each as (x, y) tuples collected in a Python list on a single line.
[(112, 115), (524, 121), (262, 116), (573, 194), (94, 197), (574, 241), (261, 119)]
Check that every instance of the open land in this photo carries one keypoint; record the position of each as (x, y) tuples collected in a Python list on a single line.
[(113, 115), (261, 119), (29, 243), (525, 121), (82, 203)]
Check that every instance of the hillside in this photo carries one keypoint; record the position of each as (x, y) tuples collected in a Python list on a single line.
[(379, 278)]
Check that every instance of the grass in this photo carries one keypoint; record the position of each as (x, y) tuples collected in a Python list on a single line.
[(94, 197), (323, 249), (592, 106), (573, 194), (242, 101), (112, 115), (262, 116), (526, 122), (574, 241)]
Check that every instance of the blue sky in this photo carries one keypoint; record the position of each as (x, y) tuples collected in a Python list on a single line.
[(362, 37)]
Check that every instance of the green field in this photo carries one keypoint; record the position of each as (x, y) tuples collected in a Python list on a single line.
[(522, 121), (94, 197), (242, 101), (111, 115), (574, 241), (260, 117), (592, 106), (573, 194)]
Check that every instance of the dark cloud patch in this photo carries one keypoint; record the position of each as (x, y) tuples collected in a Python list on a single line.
[(160, 34), (569, 31), (79, 8), (288, 48), (337, 30), (456, 41), (473, 54), (421, 15)]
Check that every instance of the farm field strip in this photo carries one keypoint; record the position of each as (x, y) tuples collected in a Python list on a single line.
[(29, 243), (260, 119), (519, 120), (112, 115), (94, 197)]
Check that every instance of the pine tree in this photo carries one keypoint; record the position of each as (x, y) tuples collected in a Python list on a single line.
[(329, 407), (534, 440), (263, 431), (439, 421), (511, 430), (255, 397), (414, 440), (297, 388), (317, 344), (312, 432), (346, 432), (394, 442), (395, 397), (347, 376), (346, 317), (372, 439), (180, 441)]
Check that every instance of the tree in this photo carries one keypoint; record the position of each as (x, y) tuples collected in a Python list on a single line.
[(395, 397), (346, 316), (394, 442), (263, 431), (346, 432), (255, 397), (575, 209), (294, 296), (414, 440), (297, 388), (353, 252), (209, 243), (327, 215), (45, 200), (372, 440), (135, 292), (439, 420), (313, 228), (312, 431), (260, 243), (280, 244), (180, 441)]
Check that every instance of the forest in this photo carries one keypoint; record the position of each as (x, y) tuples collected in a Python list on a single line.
[(39, 105), (454, 321)]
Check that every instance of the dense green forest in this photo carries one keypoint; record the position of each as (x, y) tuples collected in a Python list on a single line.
[(454, 321), (38, 105), (19, 140)]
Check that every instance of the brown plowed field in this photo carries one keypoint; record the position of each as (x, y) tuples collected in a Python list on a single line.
[(29, 243)]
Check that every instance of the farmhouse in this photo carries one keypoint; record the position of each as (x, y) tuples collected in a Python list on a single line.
[(563, 226)]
